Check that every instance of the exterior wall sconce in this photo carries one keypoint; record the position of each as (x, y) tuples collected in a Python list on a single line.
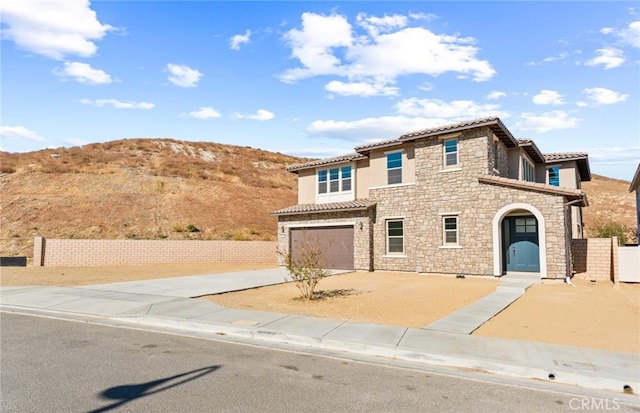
[(361, 225), (282, 229)]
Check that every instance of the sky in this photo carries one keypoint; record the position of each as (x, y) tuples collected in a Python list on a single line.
[(316, 79)]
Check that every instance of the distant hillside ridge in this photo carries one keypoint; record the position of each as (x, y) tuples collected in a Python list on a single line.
[(143, 188)]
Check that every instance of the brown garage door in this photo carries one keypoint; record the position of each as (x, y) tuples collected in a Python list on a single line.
[(335, 243)]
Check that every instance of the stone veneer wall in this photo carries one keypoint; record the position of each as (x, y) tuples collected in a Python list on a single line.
[(362, 237), (458, 191)]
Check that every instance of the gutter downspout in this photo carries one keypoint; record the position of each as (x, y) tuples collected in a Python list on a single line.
[(567, 242)]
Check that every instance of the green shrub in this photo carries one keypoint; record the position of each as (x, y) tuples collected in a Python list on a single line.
[(192, 228), (610, 230)]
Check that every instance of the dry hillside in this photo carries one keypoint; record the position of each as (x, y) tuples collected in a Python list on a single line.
[(142, 188), (609, 201), (164, 188)]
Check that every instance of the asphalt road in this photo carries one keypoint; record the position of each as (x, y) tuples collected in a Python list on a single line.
[(50, 365)]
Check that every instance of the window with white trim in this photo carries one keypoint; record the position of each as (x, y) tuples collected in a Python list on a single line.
[(394, 168), (450, 230), (553, 176), (450, 153), (335, 184), (395, 236), (528, 171)]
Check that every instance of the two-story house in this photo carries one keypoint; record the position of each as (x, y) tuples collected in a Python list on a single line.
[(465, 198)]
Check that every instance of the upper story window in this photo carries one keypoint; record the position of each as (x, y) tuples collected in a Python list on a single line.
[(335, 184), (553, 176), (450, 153), (394, 168), (496, 155), (528, 171)]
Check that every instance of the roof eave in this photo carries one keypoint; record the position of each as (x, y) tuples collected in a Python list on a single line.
[(496, 126)]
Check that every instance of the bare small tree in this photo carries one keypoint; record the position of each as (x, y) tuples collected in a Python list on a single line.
[(305, 268)]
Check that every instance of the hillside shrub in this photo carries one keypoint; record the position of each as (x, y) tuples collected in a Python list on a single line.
[(610, 230)]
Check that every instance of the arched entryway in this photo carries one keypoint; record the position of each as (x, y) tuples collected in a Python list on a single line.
[(519, 240)]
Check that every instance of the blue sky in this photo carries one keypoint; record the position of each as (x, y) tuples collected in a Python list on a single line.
[(318, 78)]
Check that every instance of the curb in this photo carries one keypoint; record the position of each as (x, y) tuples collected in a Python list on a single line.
[(559, 375)]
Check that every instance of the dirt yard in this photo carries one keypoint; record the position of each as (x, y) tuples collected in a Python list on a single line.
[(399, 299), (596, 315), (70, 276)]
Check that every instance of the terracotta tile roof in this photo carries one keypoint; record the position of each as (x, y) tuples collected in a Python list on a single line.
[(572, 194), (564, 156), (357, 205), (581, 158), (378, 145), (494, 123), (328, 161), (532, 150)]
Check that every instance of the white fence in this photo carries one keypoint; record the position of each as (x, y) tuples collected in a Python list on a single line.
[(629, 264)]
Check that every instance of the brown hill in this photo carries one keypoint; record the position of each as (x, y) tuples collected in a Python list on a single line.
[(609, 202), (164, 188), (142, 188)]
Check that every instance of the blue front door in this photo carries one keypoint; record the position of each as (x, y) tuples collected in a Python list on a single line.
[(521, 244)]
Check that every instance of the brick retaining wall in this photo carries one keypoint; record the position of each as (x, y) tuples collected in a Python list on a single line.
[(593, 258), (78, 252)]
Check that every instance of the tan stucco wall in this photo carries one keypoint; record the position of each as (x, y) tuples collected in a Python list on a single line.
[(363, 179), (378, 165), (307, 186)]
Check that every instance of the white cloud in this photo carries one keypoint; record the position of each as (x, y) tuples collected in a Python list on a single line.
[(454, 110), (603, 96), (205, 113), (548, 97), (387, 49), (375, 25), (360, 89), (496, 94), (426, 86), (117, 104), (629, 35), (560, 56), (183, 76), (313, 44), (609, 58), (260, 115), (546, 122), (370, 129), (19, 132), (83, 73), (239, 39), (53, 28), (614, 155)]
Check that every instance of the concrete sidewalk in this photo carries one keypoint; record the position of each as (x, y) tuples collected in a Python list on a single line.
[(128, 306)]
